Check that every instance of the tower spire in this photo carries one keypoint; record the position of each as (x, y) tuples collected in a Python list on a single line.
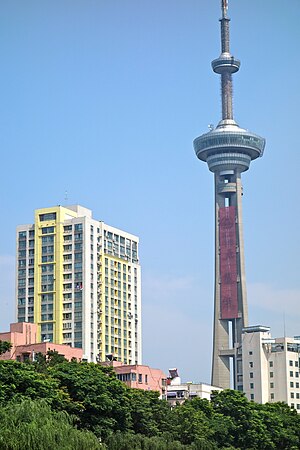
[(224, 8), (225, 65)]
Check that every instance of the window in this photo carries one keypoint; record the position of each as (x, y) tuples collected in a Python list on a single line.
[(272, 396), (297, 374), (271, 374), (140, 378), (251, 385), (291, 384), (291, 363), (291, 373), (251, 396), (78, 227), (292, 395), (297, 385), (146, 378), (48, 216), (250, 353), (271, 363), (271, 385), (251, 374), (47, 230)]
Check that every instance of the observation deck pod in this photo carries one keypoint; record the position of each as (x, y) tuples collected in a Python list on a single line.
[(228, 147), (225, 63)]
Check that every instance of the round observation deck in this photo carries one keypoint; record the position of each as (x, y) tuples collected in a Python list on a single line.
[(225, 63), (229, 147)]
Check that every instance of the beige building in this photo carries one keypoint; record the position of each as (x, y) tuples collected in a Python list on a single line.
[(270, 367)]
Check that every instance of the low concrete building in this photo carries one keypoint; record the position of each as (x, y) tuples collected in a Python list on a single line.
[(178, 392), (23, 337), (271, 367), (139, 376)]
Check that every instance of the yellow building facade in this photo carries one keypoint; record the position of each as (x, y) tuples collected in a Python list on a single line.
[(79, 280)]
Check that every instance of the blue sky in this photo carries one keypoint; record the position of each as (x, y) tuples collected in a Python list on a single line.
[(104, 98)]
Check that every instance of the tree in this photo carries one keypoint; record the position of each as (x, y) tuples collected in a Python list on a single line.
[(52, 357), (33, 425), (102, 401), (5, 346), (19, 380)]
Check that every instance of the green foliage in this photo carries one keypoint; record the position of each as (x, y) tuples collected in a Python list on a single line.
[(149, 415), (104, 404), (42, 362), (128, 441), (33, 425), (4, 347), (19, 380), (124, 418)]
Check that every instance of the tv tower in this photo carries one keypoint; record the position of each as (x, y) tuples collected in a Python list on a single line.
[(228, 151)]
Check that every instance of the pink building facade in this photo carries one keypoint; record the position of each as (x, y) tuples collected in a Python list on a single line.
[(23, 337), (140, 377)]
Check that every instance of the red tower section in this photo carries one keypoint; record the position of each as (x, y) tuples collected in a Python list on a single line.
[(228, 266)]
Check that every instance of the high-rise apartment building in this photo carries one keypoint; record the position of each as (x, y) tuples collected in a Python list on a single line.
[(79, 280), (271, 367), (228, 151)]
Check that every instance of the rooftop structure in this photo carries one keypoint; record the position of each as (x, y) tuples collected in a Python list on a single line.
[(178, 392), (228, 150), (139, 376), (23, 337)]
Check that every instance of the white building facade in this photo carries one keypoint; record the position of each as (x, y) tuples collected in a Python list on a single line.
[(271, 367)]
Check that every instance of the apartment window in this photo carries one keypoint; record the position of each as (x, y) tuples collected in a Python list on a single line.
[(297, 374), (293, 405), (297, 385), (271, 385), (272, 396), (48, 216), (297, 395), (22, 234), (67, 316), (292, 395), (291, 363), (251, 396), (251, 385), (68, 228), (47, 230), (251, 374), (271, 363), (140, 378), (298, 406), (296, 364), (271, 374), (78, 226), (291, 384), (146, 378), (291, 373)]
